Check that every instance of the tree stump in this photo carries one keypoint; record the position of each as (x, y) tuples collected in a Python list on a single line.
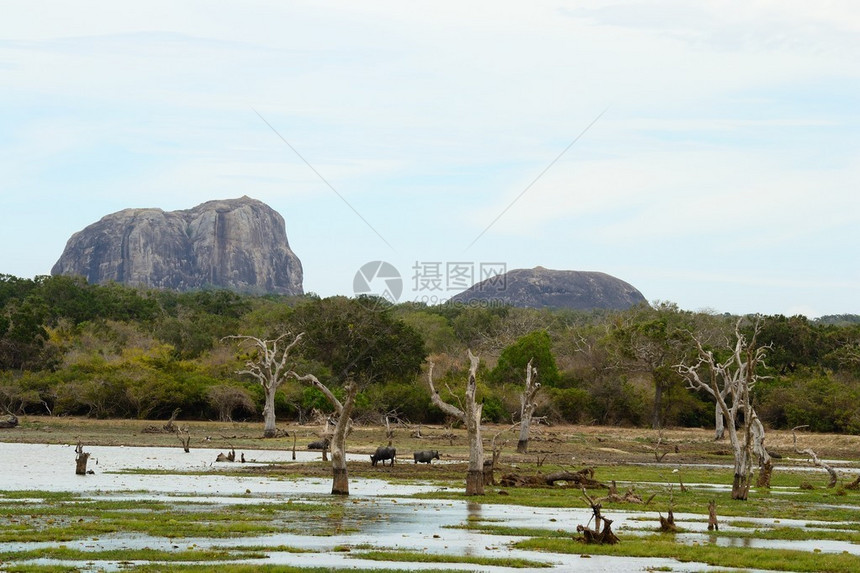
[(597, 536), (11, 421), (712, 516), (81, 459), (185, 440), (667, 524)]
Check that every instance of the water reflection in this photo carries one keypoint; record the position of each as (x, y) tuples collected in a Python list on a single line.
[(473, 516)]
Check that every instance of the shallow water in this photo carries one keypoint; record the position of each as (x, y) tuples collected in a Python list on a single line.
[(39, 466), (376, 514)]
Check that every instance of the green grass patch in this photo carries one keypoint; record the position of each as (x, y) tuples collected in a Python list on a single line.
[(423, 557), (69, 518), (66, 554), (665, 546)]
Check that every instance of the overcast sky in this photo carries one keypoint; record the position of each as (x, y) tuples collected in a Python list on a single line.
[(715, 159)]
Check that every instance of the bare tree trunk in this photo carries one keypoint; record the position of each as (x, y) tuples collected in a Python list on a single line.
[(656, 421), (475, 476), (743, 466), (765, 464), (719, 424), (340, 479), (527, 407), (269, 429), (470, 415)]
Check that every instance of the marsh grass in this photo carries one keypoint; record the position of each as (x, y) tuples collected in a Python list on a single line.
[(621, 454), (66, 554), (424, 557), (204, 568), (665, 546), (76, 517)]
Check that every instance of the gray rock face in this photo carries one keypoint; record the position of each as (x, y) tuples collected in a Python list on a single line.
[(545, 288), (239, 244)]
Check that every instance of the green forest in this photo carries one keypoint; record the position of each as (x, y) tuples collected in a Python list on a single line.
[(68, 348)]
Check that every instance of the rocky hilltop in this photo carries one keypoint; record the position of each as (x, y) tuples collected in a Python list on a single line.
[(238, 244), (546, 288)]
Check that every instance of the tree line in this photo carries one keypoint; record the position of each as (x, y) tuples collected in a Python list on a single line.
[(70, 348)]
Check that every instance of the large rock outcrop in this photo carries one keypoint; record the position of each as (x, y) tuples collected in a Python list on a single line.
[(238, 244), (546, 288)]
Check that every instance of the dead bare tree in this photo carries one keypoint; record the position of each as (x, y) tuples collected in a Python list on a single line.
[(658, 454), (730, 383), (470, 414), (386, 419), (815, 459), (491, 465), (597, 535), (170, 426), (528, 404), (343, 410), (268, 365)]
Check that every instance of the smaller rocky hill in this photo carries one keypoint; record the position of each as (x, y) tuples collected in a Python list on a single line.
[(546, 288), (238, 244)]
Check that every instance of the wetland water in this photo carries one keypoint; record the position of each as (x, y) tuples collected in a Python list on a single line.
[(377, 514)]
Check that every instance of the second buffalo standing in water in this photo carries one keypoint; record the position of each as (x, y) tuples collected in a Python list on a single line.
[(383, 453), (426, 457)]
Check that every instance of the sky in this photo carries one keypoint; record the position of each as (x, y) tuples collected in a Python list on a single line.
[(706, 152)]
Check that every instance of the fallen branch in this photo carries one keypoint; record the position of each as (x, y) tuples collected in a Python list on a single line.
[(817, 462), (583, 478), (630, 496)]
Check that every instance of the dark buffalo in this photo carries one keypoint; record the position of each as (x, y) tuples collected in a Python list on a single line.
[(383, 453), (426, 457), (319, 445)]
